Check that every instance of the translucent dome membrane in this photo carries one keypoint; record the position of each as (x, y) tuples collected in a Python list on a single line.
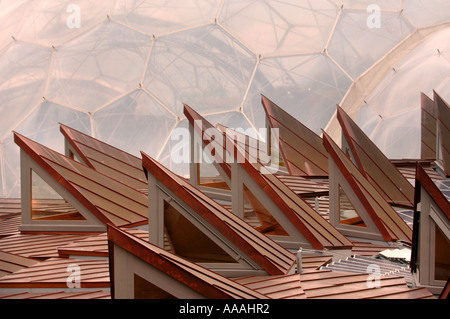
[(281, 27), (121, 70), (203, 67), (395, 104)]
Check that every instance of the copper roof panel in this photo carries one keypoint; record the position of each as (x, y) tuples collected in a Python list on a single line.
[(444, 131), (374, 165), (94, 245), (302, 149), (37, 246), (204, 281), (53, 273), (388, 222), (269, 254), (100, 294), (108, 199), (10, 263), (428, 128)]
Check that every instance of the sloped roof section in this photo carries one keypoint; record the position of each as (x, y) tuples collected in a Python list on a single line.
[(105, 158), (386, 219), (443, 110), (374, 165), (38, 246), (205, 130), (275, 287), (55, 273), (96, 245), (302, 149), (320, 284), (428, 127), (98, 294), (10, 263), (310, 223), (433, 190), (269, 255), (205, 282), (319, 232), (109, 200)]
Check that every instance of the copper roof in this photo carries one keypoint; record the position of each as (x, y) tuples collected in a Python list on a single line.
[(96, 245), (200, 279), (374, 165), (40, 260), (10, 263), (322, 284), (275, 287), (305, 187), (428, 127), (443, 110), (310, 223), (388, 222), (105, 158), (54, 273), (430, 186), (268, 254), (205, 130), (302, 149), (109, 200), (96, 294), (41, 246), (316, 230)]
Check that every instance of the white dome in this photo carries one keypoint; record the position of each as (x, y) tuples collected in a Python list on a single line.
[(121, 70)]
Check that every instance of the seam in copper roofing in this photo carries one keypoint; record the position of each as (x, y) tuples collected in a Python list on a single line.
[(53, 273), (307, 220), (443, 122), (242, 234), (386, 173), (53, 163), (271, 108), (306, 228), (202, 280), (388, 222), (427, 183)]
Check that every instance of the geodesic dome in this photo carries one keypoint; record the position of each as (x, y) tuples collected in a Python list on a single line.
[(121, 70)]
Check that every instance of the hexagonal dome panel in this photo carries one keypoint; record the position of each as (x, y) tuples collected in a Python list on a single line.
[(133, 123), (203, 67), (55, 22), (425, 69), (95, 68), (356, 46), (41, 125), (157, 17), (308, 87), (24, 68), (281, 27)]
